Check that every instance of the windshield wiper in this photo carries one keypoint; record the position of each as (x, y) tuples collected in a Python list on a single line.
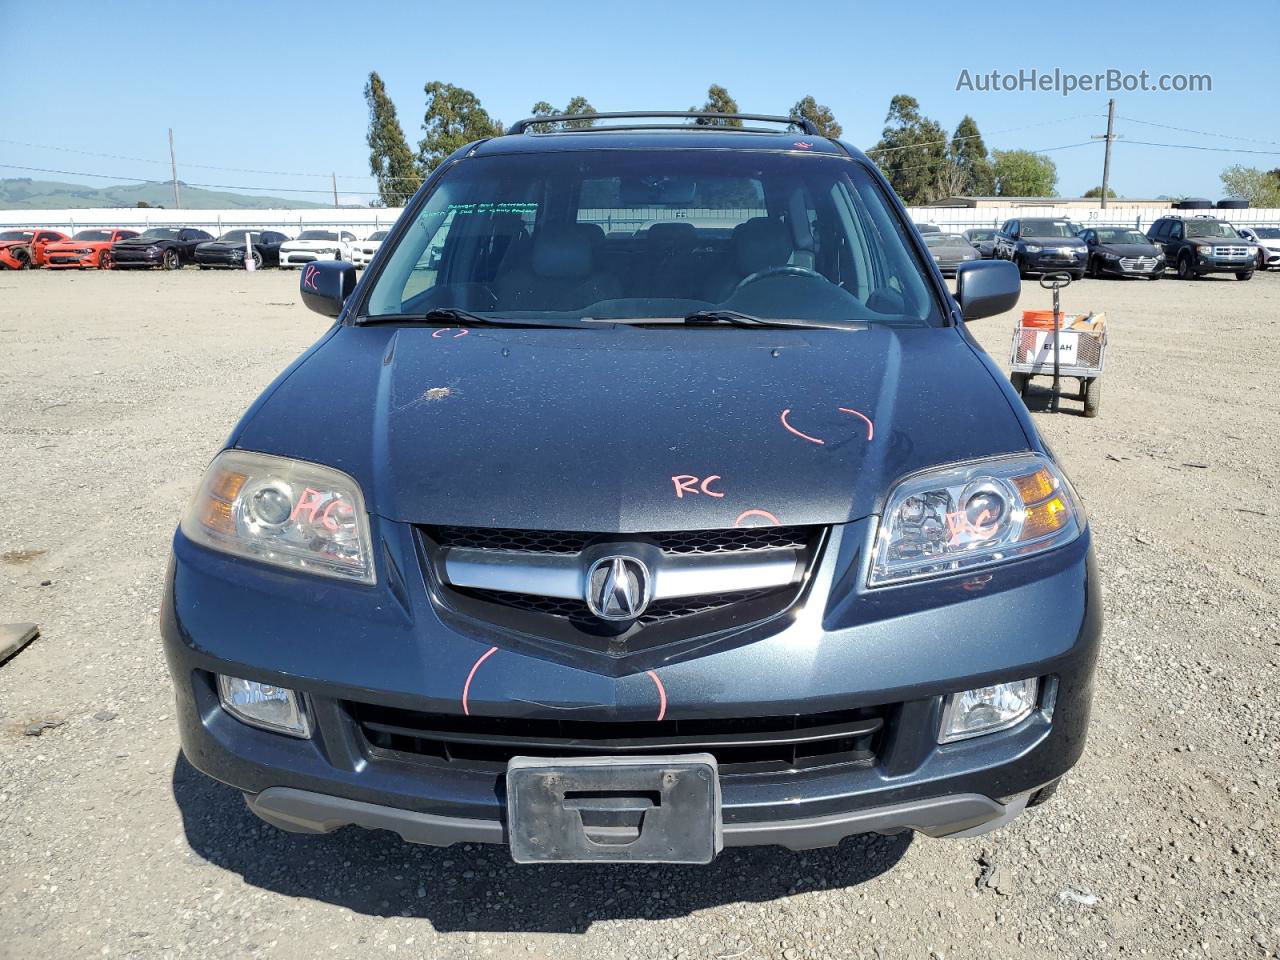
[(739, 319), (455, 316)]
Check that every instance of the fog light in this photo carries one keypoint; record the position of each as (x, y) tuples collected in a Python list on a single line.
[(263, 705), (987, 709)]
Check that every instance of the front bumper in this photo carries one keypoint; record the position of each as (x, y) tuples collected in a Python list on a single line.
[(1046, 261), (901, 649), (135, 258), (1118, 268), (1215, 263), (64, 261)]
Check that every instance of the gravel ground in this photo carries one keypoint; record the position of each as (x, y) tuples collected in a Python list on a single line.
[(115, 390)]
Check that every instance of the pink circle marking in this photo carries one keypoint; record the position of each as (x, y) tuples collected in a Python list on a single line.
[(774, 521), (662, 694), (466, 687)]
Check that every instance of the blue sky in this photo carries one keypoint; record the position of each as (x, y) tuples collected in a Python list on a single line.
[(277, 87)]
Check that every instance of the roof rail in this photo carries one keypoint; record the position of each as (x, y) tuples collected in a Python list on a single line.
[(805, 124)]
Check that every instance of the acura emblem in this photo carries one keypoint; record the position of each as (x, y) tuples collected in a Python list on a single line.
[(618, 588)]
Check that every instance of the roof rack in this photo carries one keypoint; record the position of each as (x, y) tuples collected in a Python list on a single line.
[(805, 124)]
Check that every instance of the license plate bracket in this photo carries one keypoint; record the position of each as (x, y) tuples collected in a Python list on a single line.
[(663, 809)]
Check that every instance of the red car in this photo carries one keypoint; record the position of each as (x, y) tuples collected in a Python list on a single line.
[(88, 248), (20, 249)]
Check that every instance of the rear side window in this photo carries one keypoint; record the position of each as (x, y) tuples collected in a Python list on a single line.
[(642, 234)]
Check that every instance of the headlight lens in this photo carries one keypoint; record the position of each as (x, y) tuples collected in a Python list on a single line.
[(263, 705), (285, 512), (1033, 248), (952, 519), (987, 709)]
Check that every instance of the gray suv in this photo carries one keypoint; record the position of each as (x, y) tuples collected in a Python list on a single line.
[(1196, 246)]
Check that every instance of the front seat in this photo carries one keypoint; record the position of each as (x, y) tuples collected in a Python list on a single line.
[(560, 274), (757, 244)]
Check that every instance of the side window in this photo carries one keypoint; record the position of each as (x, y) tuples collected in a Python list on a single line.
[(1175, 231), (1013, 229)]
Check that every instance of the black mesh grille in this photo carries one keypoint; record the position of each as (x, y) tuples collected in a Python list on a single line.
[(659, 611), (744, 745), (678, 542)]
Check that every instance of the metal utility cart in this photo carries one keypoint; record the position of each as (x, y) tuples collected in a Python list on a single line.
[(1048, 344)]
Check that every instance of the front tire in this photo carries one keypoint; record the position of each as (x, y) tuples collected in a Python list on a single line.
[(104, 260), (1022, 267), (1092, 397), (169, 260), (1244, 275), (1185, 270)]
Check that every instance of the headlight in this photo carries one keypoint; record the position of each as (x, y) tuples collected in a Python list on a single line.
[(153, 250), (285, 512), (1033, 248), (263, 705), (951, 519), (987, 709)]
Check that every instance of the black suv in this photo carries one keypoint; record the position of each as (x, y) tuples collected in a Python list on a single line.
[(1196, 246), (1042, 245), (648, 494)]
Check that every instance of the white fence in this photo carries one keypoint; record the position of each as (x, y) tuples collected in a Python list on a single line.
[(365, 221)]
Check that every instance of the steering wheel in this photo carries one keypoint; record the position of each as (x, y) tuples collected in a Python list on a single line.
[(789, 270)]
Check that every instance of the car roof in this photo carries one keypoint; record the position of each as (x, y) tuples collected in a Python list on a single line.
[(665, 138)]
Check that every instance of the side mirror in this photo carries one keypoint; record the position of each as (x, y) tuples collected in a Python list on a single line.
[(987, 287), (326, 284)]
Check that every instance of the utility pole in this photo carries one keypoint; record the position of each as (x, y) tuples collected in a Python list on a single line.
[(335, 190), (1106, 159), (173, 168)]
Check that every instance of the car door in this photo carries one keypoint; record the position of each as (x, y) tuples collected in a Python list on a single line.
[(1175, 236), (1090, 238), (1001, 245)]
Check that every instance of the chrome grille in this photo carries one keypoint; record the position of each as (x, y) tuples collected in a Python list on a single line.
[(1228, 253), (1137, 263), (679, 542)]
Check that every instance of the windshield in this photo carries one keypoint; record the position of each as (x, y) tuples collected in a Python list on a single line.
[(17, 235), (647, 235), (1210, 228), (160, 233), (1267, 233), (93, 236), (980, 234), (944, 240), (1122, 236), (317, 235), (1047, 228), (379, 235), (234, 235)]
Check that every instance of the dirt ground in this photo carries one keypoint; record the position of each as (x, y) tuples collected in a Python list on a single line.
[(1164, 842)]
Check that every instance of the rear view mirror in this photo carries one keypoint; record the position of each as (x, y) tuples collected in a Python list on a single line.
[(986, 287), (326, 284)]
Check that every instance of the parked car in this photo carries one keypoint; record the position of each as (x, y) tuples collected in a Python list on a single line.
[(729, 536), (1268, 241), (1042, 245), (167, 247), (21, 249), (362, 253), (983, 240), (1198, 246), (1122, 252), (229, 249), (87, 249), (313, 245), (949, 250)]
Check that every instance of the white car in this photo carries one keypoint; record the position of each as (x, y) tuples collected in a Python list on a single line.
[(363, 251), (1268, 238), (314, 245)]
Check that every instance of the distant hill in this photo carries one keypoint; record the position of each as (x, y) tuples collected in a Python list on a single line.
[(25, 194)]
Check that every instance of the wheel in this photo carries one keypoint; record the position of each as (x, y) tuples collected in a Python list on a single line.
[(1019, 382), (1159, 274), (1078, 275), (104, 260), (1044, 794), (1022, 267), (1185, 270), (257, 259), (1244, 275), (203, 266), (169, 260), (1092, 397), (24, 261)]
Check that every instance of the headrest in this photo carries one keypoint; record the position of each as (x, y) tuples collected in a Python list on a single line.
[(562, 251), (672, 235), (593, 232), (760, 243)]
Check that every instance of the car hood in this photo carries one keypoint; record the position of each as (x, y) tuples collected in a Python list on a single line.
[(221, 245), (626, 430), (140, 242), (15, 243), (77, 244), (1129, 249)]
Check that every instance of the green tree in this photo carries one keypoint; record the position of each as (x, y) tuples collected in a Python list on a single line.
[(1260, 188), (820, 114), (718, 101), (912, 152), (576, 106), (390, 160), (1022, 173), (968, 170), (454, 118), (1096, 192)]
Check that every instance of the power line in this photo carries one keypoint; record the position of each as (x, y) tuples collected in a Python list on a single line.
[(145, 180), (979, 136), (1203, 133), (1192, 146)]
